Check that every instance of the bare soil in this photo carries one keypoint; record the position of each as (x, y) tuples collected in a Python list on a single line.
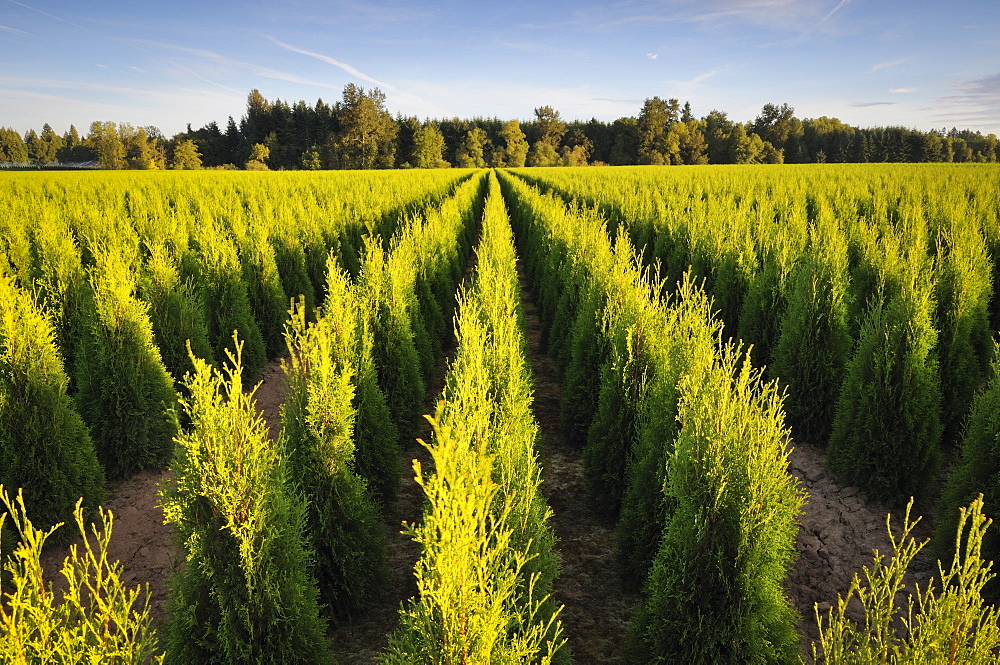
[(597, 609)]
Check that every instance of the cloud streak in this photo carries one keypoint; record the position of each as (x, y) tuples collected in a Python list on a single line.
[(15, 31), (358, 74), (886, 65), (864, 105)]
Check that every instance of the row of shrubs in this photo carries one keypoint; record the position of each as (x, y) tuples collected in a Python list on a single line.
[(109, 279), (684, 445), (266, 568), (487, 565), (867, 293)]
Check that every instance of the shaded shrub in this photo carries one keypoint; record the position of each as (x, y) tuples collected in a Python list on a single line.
[(45, 447)]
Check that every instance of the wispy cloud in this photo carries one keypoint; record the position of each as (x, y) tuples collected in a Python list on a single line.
[(101, 65), (864, 105), (388, 88), (138, 69), (836, 9), (886, 65), (975, 101), (902, 91), (51, 16), (652, 56), (15, 31)]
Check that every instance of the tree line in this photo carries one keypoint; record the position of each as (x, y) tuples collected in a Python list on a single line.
[(358, 132)]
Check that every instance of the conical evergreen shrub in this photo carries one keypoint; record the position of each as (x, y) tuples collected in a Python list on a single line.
[(344, 525), (220, 280), (245, 593), (814, 344), (715, 593), (176, 311), (124, 392), (965, 345), (887, 428), (977, 472), (45, 447)]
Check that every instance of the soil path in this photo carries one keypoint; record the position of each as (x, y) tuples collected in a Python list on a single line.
[(597, 608), (838, 531)]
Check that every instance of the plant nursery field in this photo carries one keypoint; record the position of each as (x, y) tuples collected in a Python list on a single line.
[(593, 415)]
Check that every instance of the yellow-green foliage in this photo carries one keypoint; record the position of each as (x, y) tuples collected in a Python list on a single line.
[(714, 593), (345, 528), (176, 310), (417, 275), (945, 621), (95, 618), (487, 566), (245, 593), (124, 392), (747, 232), (976, 473), (45, 448)]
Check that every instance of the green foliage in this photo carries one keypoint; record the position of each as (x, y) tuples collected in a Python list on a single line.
[(687, 347), (176, 311), (45, 448), (220, 280), (963, 296), (977, 472), (124, 392), (887, 427), (946, 621), (487, 567), (95, 618), (186, 156), (245, 593), (396, 359), (715, 591), (345, 528), (815, 344)]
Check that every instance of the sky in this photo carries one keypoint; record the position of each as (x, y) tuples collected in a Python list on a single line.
[(915, 63)]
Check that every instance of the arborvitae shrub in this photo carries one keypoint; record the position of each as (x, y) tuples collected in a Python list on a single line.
[(376, 439), (39, 626), (395, 354), (245, 593), (45, 448), (290, 259), (715, 592), (815, 344), (266, 295), (687, 346), (345, 527), (64, 290), (887, 428), (563, 321), (124, 392), (177, 313), (763, 309), (977, 472), (581, 382), (613, 431), (220, 280), (965, 344)]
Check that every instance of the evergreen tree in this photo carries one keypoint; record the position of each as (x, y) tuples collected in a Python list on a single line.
[(186, 156), (887, 426), (45, 448), (124, 391)]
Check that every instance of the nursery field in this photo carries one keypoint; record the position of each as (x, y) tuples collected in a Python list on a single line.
[(663, 413)]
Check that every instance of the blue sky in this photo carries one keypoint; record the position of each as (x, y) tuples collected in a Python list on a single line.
[(868, 62)]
